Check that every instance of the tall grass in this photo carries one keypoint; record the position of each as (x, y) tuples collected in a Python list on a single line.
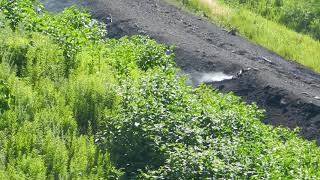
[(278, 38), (300, 16)]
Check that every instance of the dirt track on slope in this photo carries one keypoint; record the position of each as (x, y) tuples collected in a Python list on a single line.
[(289, 92)]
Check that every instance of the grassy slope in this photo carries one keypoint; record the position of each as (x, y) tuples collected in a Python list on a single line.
[(287, 43), (300, 16)]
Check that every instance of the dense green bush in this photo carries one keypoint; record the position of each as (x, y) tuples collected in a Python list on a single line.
[(71, 29), (301, 16), (171, 131), (118, 109), (21, 11)]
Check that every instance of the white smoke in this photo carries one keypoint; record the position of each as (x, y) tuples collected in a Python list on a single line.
[(214, 77), (196, 78)]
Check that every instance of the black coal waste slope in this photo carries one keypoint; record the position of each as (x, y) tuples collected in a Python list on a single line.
[(289, 92)]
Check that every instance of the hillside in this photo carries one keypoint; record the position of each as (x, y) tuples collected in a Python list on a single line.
[(77, 104), (288, 91)]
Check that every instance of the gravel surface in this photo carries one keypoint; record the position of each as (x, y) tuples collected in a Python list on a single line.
[(289, 92)]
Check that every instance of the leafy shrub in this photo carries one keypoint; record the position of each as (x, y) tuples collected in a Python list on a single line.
[(139, 52), (71, 29), (167, 130), (151, 54), (21, 11)]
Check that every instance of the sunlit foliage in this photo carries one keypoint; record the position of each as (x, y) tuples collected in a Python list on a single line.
[(118, 109)]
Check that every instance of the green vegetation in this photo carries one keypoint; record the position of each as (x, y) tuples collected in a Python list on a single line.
[(301, 16), (74, 105), (268, 33)]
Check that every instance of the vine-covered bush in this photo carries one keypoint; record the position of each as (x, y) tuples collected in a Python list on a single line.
[(118, 109)]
